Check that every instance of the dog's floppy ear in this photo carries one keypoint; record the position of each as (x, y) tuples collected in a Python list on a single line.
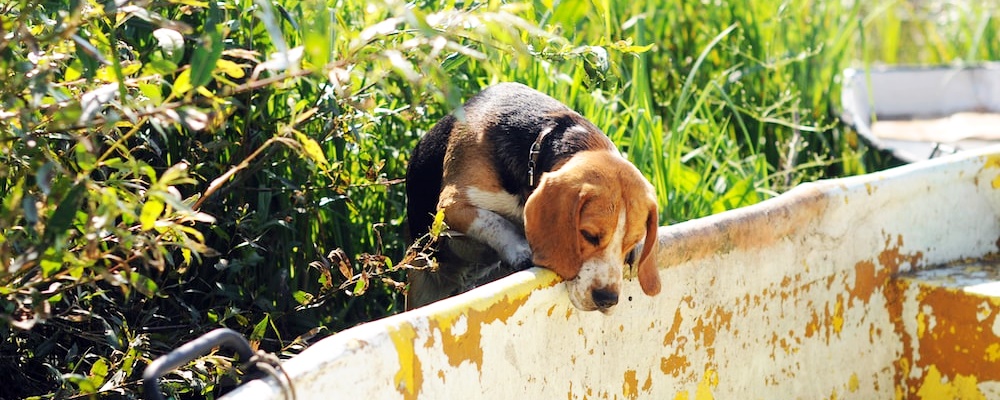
[(649, 276), (551, 222)]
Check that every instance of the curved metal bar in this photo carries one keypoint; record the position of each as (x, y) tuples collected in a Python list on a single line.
[(190, 351)]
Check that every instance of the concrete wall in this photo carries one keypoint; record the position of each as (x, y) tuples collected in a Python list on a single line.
[(797, 297)]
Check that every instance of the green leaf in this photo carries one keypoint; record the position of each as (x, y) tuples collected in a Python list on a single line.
[(260, 329), (741, 194), (361, 286), (12, 200), (90, 58), (151, 210), (84, 159), (318, 39), (302, 297), (98, 372), (62, 217), (143, 284), (159, 67), (205, 56), (175, 175), (50, 266)]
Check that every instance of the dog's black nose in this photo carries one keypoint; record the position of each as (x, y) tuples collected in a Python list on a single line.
[(604, 298)]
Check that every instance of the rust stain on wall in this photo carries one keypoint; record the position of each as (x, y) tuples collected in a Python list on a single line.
[(707, 327), (630, 387), (812, 327), (866, 280), (465, 345), (674, 365), (953, 346), (892, 258), (741, 230), (675, 327), (895, 296), (956, 344)]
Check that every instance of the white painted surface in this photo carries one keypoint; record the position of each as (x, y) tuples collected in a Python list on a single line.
[(790, 298)]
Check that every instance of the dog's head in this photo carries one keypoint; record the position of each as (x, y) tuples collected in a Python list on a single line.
[(585, 218)]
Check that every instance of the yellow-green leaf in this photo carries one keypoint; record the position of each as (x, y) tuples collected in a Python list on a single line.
[(230, 68), (312, 150), (193, 3), (108, 73), (152, 91), (151, 210), (183, 83), (74, 71), (438, 226)]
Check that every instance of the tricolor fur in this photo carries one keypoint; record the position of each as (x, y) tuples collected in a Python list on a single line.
[(576, 206)]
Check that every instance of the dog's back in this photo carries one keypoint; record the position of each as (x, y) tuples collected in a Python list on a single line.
[(423, 177), (510, 115)]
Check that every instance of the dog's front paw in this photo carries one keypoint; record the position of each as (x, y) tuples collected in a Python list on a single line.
[(517, 257), (522, 265)]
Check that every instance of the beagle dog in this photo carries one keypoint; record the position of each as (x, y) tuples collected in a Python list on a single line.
[(524, 181)]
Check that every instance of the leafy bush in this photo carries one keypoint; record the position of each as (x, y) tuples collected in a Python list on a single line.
[(171, 167)]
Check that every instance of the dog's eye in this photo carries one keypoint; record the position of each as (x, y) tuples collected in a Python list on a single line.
[(592, 238)]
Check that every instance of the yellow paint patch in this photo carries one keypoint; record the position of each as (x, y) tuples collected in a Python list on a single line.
[(921, 324), (935, 386), (993, 161), (630, 388), (853, 384), (993, 352), (682, 396), (409, 378), (838, 315), (709, 381)]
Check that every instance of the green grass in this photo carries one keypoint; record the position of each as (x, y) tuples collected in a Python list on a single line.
[(204, 186)]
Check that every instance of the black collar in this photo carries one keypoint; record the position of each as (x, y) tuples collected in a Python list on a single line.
[(533, 152)]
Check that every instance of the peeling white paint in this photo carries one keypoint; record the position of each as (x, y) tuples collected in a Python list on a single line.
[(795, 297)]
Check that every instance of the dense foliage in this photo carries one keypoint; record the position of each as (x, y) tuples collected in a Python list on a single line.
[(174, 166)]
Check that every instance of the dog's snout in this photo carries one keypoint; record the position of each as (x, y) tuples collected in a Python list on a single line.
[(604, 298)]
